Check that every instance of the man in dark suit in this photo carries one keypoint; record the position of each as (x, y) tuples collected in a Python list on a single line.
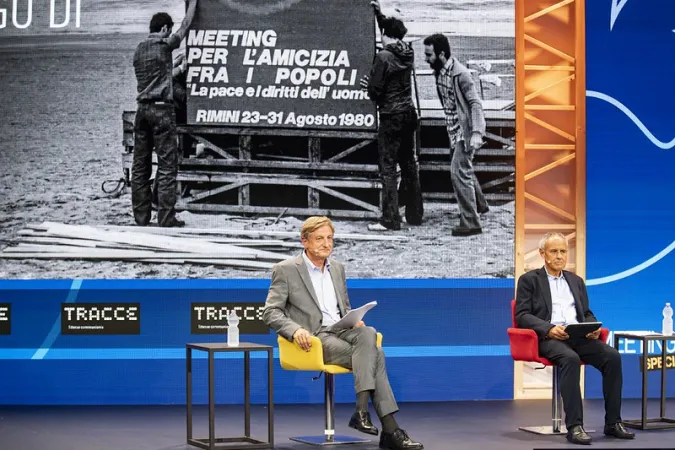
[(307, 295), (549, 299)]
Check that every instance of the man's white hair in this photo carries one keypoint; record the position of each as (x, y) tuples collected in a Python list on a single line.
[(548, 236)]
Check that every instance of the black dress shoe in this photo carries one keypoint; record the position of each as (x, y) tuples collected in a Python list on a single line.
[(361, 421), (459, 231), (174, 223), (618, 430), (577, 435), (399, 440)]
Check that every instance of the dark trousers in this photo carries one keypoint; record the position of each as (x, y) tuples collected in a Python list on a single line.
[(154, 129), (396, 145), (569, 355)]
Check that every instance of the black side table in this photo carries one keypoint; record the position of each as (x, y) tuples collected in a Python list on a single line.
[(662, 422), (235, 443)]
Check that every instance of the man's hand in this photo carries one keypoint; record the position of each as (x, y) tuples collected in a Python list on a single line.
[(179, 59), (558, 332), (360, 324), (476, 141), (364, 82), (376, 5), (303, 338), (595, 334)]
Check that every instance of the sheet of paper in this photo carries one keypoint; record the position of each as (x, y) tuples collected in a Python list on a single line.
[(354, 316)]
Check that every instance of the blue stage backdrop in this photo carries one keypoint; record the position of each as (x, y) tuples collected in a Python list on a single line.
[(631, 211), (444, 340)]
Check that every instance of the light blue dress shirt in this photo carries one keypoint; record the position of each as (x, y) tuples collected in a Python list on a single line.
[(564, 310)]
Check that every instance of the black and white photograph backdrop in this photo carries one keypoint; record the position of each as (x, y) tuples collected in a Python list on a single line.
[(272, 127)]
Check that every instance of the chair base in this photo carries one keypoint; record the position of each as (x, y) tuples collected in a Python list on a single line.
[(548, 430), (338, 439), (545, 430)]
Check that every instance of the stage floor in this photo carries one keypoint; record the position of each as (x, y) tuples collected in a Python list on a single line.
[(440, 426)]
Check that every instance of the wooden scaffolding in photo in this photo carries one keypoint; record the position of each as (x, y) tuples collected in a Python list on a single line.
[(325, 172)]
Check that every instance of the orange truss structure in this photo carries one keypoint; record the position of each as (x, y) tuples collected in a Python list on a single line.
[(550, 144)]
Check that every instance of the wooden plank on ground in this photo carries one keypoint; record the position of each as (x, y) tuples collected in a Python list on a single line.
[(47, 239), (74, 256), (175, 243), (251, 233), (108, 253)]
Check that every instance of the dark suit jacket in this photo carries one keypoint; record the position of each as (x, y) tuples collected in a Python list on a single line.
[(534, 304)]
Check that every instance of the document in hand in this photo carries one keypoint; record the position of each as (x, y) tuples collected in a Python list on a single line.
[(354, 316)]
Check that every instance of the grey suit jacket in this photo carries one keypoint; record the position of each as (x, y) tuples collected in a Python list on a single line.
[(291, 301)]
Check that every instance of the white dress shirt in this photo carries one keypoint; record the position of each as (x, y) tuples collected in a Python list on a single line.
[(325, 291)]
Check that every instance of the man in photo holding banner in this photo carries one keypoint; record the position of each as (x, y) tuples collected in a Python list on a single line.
[(307, 295), (155, 122), (389, 86), (465, 122)]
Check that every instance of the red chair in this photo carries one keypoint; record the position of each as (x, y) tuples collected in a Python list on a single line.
[(524, 345)]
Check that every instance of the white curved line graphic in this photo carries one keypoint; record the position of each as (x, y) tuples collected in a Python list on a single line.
[(621, 107), (633, 270), (617, 6)]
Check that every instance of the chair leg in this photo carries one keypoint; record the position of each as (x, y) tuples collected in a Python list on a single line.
[(329, 437), (329, 402), (556, 403), (557, 427)]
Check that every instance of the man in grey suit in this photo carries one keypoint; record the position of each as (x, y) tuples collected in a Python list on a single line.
[(307, 295)]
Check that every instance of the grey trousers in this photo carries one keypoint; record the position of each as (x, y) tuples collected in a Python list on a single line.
[(356, 349), (469, 194)]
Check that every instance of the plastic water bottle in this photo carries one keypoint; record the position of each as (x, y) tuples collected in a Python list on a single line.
[(233, 329), (667, 320)]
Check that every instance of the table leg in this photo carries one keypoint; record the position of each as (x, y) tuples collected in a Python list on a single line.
[(247, 394), (270, 397), (212, 403), (663, 378), (188, 396)]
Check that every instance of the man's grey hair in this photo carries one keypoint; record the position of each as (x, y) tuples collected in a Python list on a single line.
[(548, 236)]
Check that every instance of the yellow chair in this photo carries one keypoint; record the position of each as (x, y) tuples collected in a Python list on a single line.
[(292, 357)]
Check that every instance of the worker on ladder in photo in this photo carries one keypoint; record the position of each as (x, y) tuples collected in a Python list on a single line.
[(389, 86), (155, 123)]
